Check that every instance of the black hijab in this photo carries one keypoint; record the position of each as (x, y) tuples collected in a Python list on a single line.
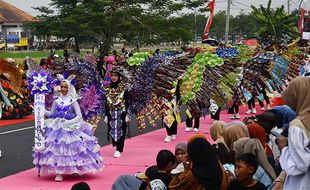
[(115, 84), (206, 167)]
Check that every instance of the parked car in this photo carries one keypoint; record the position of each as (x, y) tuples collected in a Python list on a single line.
[(211, 42)]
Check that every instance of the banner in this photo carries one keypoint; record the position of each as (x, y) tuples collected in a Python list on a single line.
[(209, 22), (39, 109), (301, 20)]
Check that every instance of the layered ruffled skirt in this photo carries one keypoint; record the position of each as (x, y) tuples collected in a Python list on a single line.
[(68, 150)]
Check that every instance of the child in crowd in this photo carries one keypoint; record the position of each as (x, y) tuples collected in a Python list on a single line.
[(245, 167), (166, 162)]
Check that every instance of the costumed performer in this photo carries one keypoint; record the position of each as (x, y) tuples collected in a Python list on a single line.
[(173, 117), (234, 104), (70, 145), (116, 115), (19, 107)]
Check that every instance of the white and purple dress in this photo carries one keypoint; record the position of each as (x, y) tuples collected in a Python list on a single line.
[(70, 145)]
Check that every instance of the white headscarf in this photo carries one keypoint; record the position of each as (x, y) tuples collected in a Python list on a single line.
[(71, 89)]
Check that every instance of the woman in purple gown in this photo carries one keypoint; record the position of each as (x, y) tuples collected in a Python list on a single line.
[(70, 145)]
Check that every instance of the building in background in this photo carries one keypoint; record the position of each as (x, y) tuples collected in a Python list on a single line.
[(12, 22)]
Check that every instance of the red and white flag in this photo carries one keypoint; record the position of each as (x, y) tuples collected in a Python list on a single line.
[(211, 6), (303, 11)]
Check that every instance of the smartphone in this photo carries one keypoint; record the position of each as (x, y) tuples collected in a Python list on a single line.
[(276, 134)]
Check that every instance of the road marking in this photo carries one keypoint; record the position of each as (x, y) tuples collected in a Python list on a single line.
[(16, 130)]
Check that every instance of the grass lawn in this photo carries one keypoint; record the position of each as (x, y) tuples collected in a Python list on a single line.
[(19, 56), (23, 54)]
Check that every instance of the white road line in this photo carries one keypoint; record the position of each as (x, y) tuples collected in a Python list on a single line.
[(16, 130)]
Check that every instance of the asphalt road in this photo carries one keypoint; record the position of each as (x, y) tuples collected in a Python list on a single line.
[(16, 142)]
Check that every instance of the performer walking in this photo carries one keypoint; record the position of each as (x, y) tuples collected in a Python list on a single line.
[(116, 115), (173, 119), (70, 145)]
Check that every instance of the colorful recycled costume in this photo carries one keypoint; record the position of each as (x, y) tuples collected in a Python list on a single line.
[(70, 145), (19, 106), (4, 101), (116, 111)]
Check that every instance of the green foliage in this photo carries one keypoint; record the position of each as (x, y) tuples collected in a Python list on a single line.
[(142, 22), (275, 24), (138, 58), (137, 21)]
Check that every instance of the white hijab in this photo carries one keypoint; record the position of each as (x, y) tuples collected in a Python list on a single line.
[(72, 94)]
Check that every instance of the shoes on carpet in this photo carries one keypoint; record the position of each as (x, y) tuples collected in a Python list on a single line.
[(188, 129), (249, 112), (195, 130), (168, 139), (237, 116), (233, 117), (254, 111), (173, 137), (59, 178), (117, 154), (268, 107), (262, 109)]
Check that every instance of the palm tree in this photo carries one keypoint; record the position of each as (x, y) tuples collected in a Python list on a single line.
[(275, 24)]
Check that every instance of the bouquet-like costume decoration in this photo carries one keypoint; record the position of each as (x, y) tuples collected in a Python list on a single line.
[(70, 145), (154, 88)]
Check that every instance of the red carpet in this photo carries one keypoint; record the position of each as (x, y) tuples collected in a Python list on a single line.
[(140, 152), (7, 122)]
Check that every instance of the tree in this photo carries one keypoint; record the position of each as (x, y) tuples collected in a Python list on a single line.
[(218, 25), (244, 25), (275, 24)]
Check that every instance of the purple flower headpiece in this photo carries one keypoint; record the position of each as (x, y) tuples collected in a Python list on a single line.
[(65, 76)]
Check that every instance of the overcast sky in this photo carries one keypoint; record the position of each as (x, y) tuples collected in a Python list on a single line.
[(237, 6)]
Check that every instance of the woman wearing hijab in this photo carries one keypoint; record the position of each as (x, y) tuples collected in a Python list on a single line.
[(265, 173), (284, 115), (234, 131), (204, 171), (258, 132), (116, 110), (181, 152), (295, 154), (181, 157), (217, 132), (70, 145)]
